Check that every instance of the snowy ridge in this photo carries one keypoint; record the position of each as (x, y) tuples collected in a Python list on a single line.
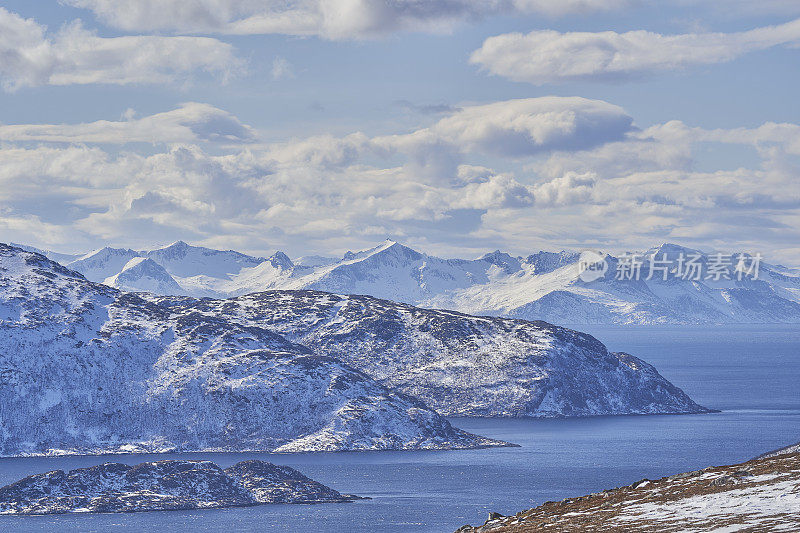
[(458, 364), (85, 368), (144, 274), (543, 286)]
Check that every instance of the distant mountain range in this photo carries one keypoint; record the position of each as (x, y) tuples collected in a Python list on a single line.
[(543, 286), (87, 368)]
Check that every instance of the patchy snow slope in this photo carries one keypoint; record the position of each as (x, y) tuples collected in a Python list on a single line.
[(85, 368), (458, 364), (759, 495)]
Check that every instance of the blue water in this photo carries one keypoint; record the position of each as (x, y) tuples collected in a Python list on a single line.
[(751, 374)]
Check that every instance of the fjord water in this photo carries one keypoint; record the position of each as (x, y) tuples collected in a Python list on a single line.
[(750, 373)]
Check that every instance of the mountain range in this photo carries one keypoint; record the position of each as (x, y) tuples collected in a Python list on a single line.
[(542, 286), (88, 368)]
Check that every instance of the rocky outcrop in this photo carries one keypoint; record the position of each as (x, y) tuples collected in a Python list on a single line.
[(161, 486)]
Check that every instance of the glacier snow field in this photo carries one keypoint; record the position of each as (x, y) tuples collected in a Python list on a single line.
[(750, 373)]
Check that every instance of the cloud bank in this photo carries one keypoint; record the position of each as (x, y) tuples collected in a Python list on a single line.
[(331, 19), (191, 123), (575, 172), (29, 56), (543, 57)]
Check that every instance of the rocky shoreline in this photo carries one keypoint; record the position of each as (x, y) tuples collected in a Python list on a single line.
[(162, 486)]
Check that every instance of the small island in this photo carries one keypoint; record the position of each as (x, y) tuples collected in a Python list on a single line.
[(161, 486)]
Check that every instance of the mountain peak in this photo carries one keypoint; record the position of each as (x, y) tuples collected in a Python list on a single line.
[(178, 245), (388, 244), (144, 274), (672, 249), (280, 260), (544, 262), (507, 262)]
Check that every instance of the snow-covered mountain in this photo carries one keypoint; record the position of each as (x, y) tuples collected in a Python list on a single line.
[(54, 256), (543, 286), (458, 364), (144, 274), (87, 368)]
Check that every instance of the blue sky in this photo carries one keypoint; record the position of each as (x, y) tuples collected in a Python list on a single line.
[(372, 125)]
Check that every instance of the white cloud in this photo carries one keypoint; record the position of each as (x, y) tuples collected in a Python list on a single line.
[(542, 57), (74, 55), (190, 123), (768, 134), (281, 69), (15, 228), (496, 192), (571, 188), (748, 7), (327, 192), (564, 7), (526, 127), (511, 129), (333, 19)]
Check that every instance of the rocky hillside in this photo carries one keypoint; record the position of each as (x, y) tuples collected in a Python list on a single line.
[(85, 368), (794, 448), (458, 364), (759, 495), (162, 486)]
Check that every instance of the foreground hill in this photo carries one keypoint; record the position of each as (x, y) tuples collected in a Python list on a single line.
[(759, 495), (458, 364), (85, 368), (162, 486), (542, 286)]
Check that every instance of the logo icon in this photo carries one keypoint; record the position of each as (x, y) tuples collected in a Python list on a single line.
[(591, 266)]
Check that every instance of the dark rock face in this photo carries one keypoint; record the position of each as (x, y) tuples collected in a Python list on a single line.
[(162, 485)]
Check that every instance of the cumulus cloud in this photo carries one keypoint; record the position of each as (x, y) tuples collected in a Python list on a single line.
[(191, 123), (495, 192), (333, 19), (514, 129), (571, 188), (76, 56), (542, 57), (330, 192), (526, 127)]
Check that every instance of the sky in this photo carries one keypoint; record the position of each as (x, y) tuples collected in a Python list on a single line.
[(454, 126)]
